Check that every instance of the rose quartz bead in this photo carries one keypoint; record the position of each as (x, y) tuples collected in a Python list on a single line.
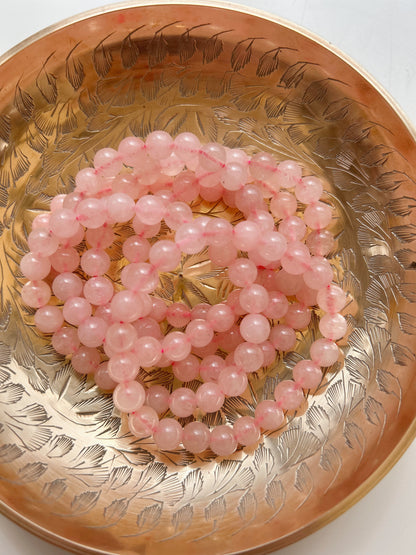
[(317, 215), (98, 290), (212, 157), (177, 214), (190, 238), (186, 146), (324, 352), (128, 306), (200, 311), (319, 274), (249, 198), (290, 172), (165, 255), (176, 346), (76, 310), (65, 341), (42, 243), (65, 260), (148, 351), (333, 326), (182, 402), (123, 367), (210, 368), (262, 166), (268, 415), (218, 232), (159, 144), (203, 352), (143, 422), (107, 162), (296, 259), (307, 374), (209, 397), (288, 395), (67, 285), (298, 316), (223, 256), (261, 262), (120, 337), (105, 313), (147, 326), (242, 272), (263, 219), (283, 205), (320, 242), (228, 198), (103, 379), (233, 301), (220, 317), (178, 315), (157, 397), (283, 338), (36, 293), (159, 309), (246, 235), (41, 221), (120, 207), (254, 298), (309, 189), (150, 209), (140, 276), (293, 228), (196, 436), (272, 245), (266, 277), (249, 357), (255, 328), (233, 176), (91, 212), (307, 296), (277, 305), (129, 396), (63, 223), (269, 352), (199, 333), (288, 284), (185, 187), (230, 339), (75, 239), (144, 230), (187, 369), (246, 430), (86, 360), (331, 299), (34, 267), (222, 441), (91, 332), (168, 434), (232, 381), (72, 200), (128, 185), (131, 150), (95, 262)]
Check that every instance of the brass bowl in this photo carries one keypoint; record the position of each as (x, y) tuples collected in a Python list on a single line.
[(70, 472)]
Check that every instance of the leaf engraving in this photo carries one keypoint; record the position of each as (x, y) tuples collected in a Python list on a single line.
[(52, 491), (275, 497), (85, 502), (31, 472), (10, 452), (114, 512), (24, 103), (304, 482), (354, 438), (74, 69), (388, 383), (241, 54)]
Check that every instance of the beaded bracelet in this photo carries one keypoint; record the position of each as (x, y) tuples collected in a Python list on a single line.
[(266, 265)]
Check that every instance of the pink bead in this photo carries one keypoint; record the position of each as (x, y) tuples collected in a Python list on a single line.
[(128, 396), (150, 209), (233, 301), (246, 430), (131, 150), (209, 397), (176, 346), (298, 316), (57, 202), (249, 198), (331, 299), (324, 352), (91, 332), (296, 259), (196, 437), (86, 360), (128, 184), (317, 215), (95, 262), (203, 352), (320, 242), (42, 243), (268, 415), (254, 298), (218, 232), (168, 434), (65, 260), (220, 317), (35, 267), (72, 200), (277, 306), (261, 262), (228, 198), (120, 207), (283, 338), (288, 395), (147, 326), (187, 369), (105, 313), (307, 374), (159, 309), (107, 162), (319, 274), (230, 339), (190, 238), (103, 379), (242, 272), (177, 214), (246, 235), (262, 166), (232, 381), (36, 293), (159, 144), (63, 223), (41, 221), (75, 239), (249, 357), (65, 341), (157, 397), (222, 441), (123, 367), (234, 176), (178, 315), (91, 212), (165, 255), (269, 352), (212, 157), (187, 146), (140, 276), (288, 284), (144, 230), (307, 296), (185, 187), (182, 402), (309, 189), (333, 326), (293, 228), (200, 311), (290, 172), (148, 351), (120, 337), (263, 219), (143, 422), (199, 333), (98, 290), (210, 368), (76, 310), (128, 306), (283, 205), (222, 256), (255, 328), (266, 277), (272, 245)]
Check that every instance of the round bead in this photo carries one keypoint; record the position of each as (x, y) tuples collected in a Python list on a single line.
[(185, 186), (187, 369), (91, 212), (157, 397), (120, 207), (288, 395), (177, 214), (254, 298), (95, 262), (331, 299), (283, 205), (249, 357), (65, 341), (268, 415), (165, 255), (67, 285), (307, 374), (148, 351), (210, 397), (222, 441), (150, 209), (296, 259), (320, 242), (178, 315), (246, 235), (143, 422), (199, 333), (129, 396), (190, 238), (222, 256), (246, 430), (272, 245), (288, 284), (140, 277), (283, 338), (220, 317), (298, 316), (107, 162), (63, 223), (120, 337), (242, 272), (127, 306), (42, 243), (277, 306), (168, 434), (176, 346), (255, 328), (324, 352), (35, 267), (136, 249), (91, 332), (309, 189), (65, 260), (232, 381), (317, 215), (147, 327), (98, 290), (319, 274), (86, 360), (76, 310), (123, 367), (211, 367), (269, 352), (293, 228), (36, 293), (333, 326), (182, 402), (103, 379), (196, 437)]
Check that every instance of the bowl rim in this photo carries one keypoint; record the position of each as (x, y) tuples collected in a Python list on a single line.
[(408, 437)]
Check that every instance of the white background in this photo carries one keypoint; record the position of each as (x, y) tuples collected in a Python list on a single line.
[(380, 35)]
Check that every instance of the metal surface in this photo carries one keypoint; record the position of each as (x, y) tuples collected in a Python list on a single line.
[(70, 472)]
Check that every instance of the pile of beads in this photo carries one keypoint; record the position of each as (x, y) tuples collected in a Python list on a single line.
[(115, 330)]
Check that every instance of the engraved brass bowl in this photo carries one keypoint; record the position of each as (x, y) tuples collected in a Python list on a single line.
[(69, 470)]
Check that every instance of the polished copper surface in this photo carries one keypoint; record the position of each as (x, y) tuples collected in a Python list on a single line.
[(69, 470)]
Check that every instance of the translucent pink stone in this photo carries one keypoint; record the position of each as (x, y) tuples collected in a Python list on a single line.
[(249, 357), (95, 262), (319, 274), (331, 299), (222, 256), (150, 209), (233, 301), (255, 328), (283, 338), (296, 259), (210, 368), (41, 221), (157, 397), (91, 212), (144, 230), (107, 162), (182, 402), (298, 316), (147, 326), (65, 260), (268, 415), (103, 379), (159, 309), (230, 339), (293, 228), (75, 239), (266, 277), (187, 369), (222, 441), (320, 242), (232, 381), (333, 326), (35, 267), (249, 198), (159, 144), (177, 214), (176, 346), (212, 157), (283, 205), (190, 238), (63, 223), (269, 352), (132, 152), (203, 352), (168, 434), (129, 396), (123, 367), (128, 306), (263, 219), (148, 351), (105, 313), (143, 422), (72, 200), (242, 272), (246, 430), (317, 215), (220, 317), (324, 352), (307, 296), (218, 232), (199, 332), (120, 207), (91, 332), (288, 284), (178, 315), (307, 374), (128, 184), (277, 305), (86, 360), (42, 243), (140, 276), (254, 298), (210, 397), (261, 262), (36, 293), (98, 290), (290, 172), (246, 235), (76, 310), (288, 395), (200, 311), (262, 166), (165, 255), (120, 337), (272, 245), (196, 437), (186, 146), (65, 341), (234, 176), (309, 189), (185, 187)]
